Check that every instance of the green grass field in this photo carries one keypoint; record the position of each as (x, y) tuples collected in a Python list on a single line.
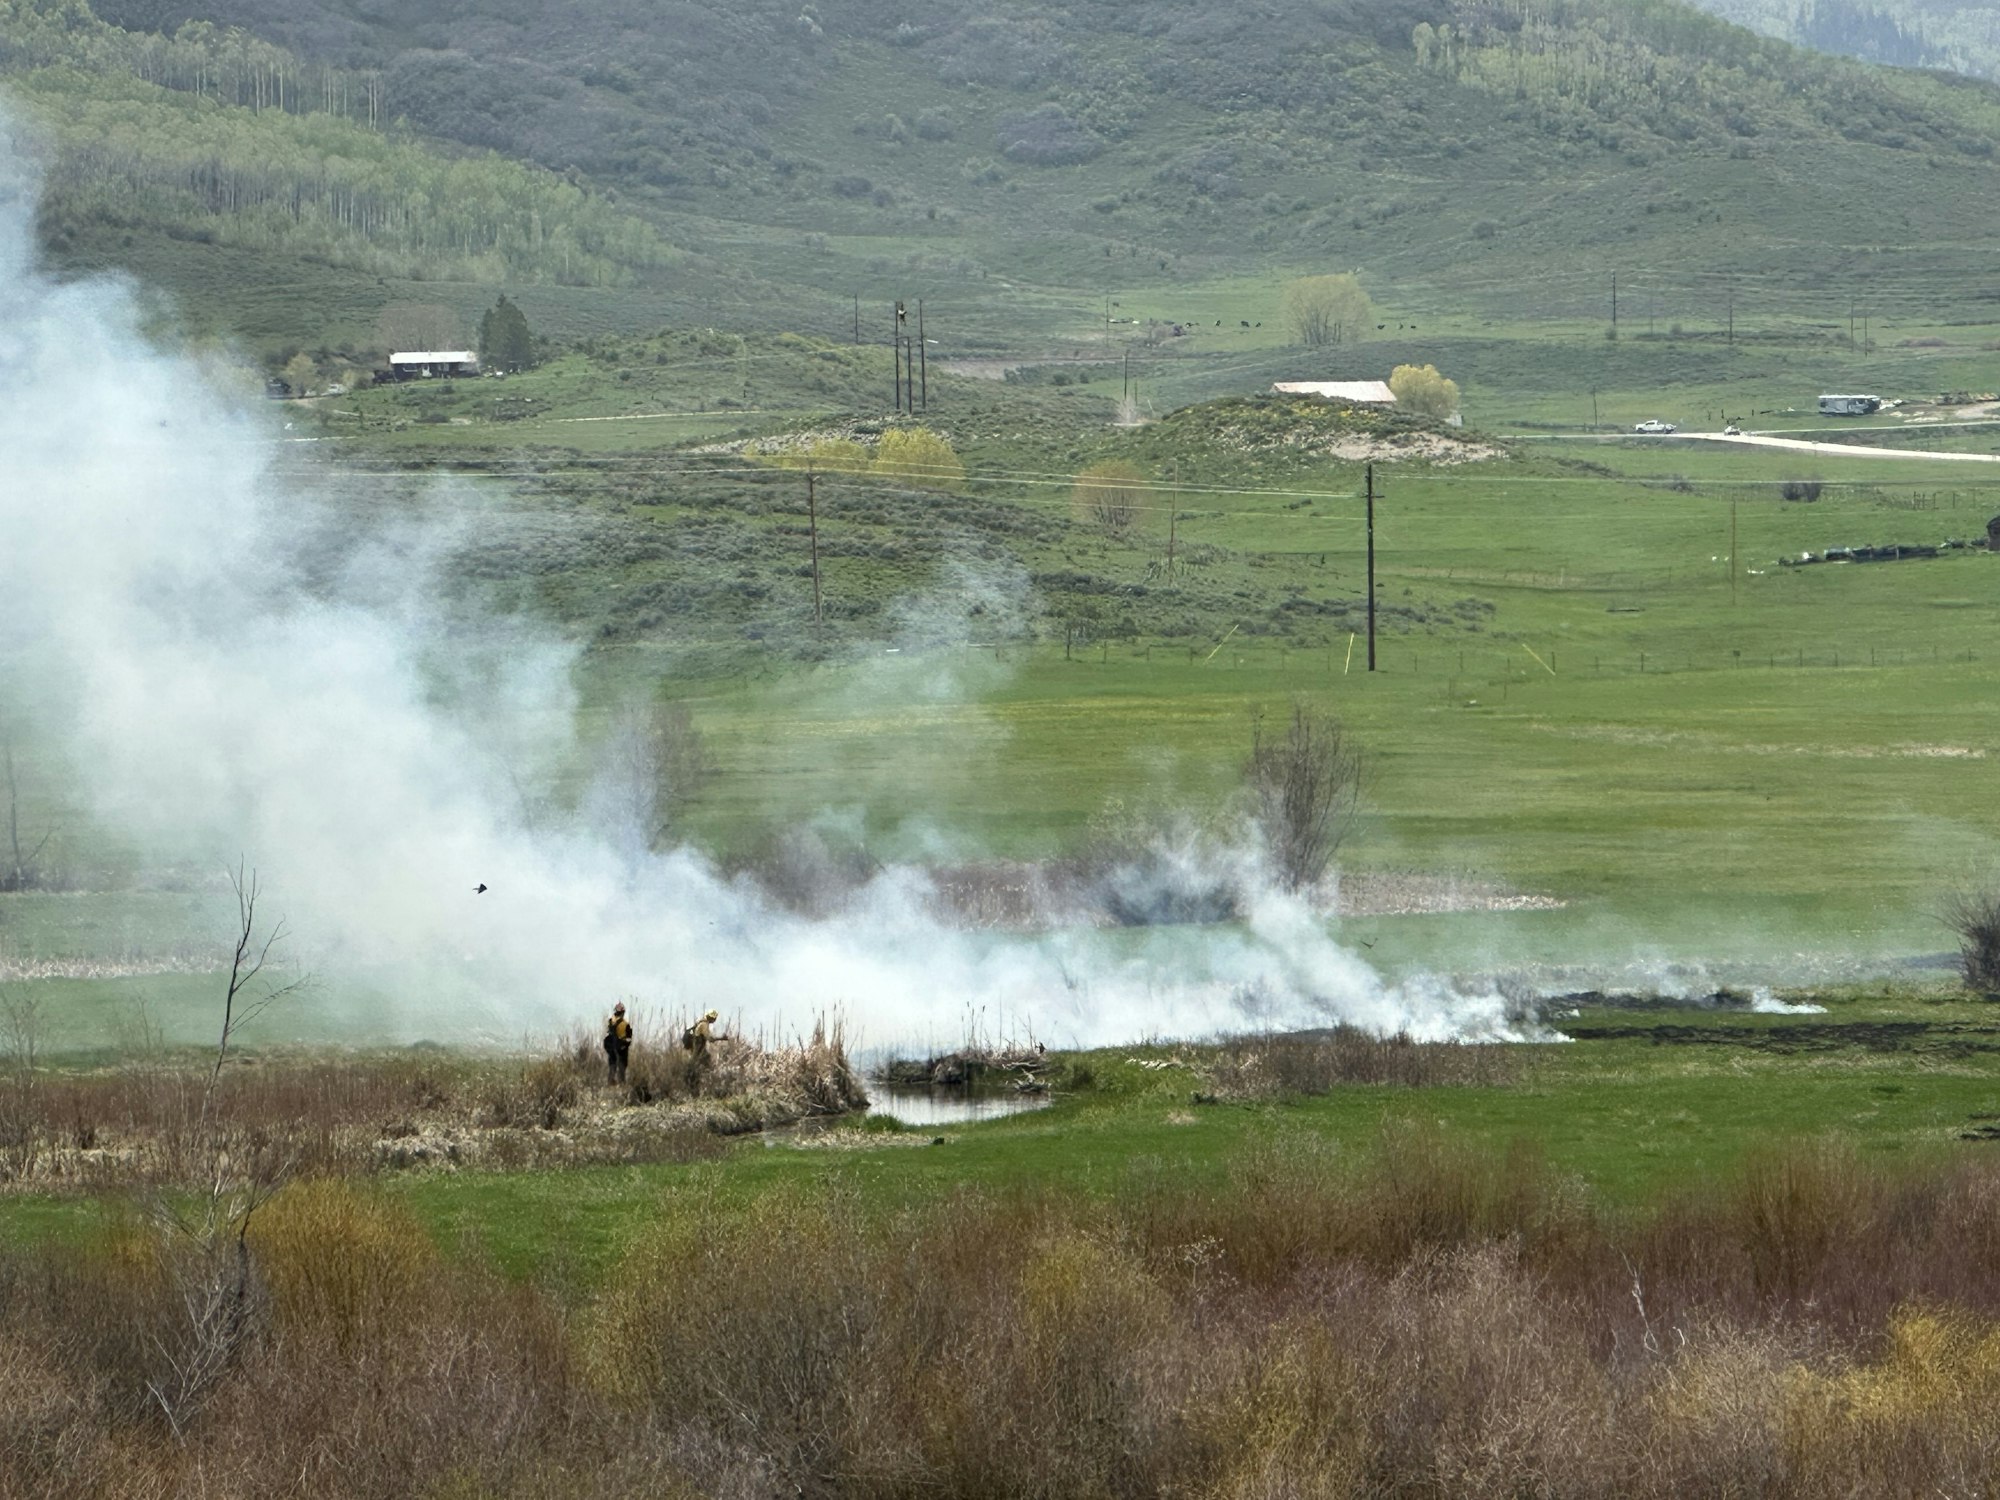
[(1576, 697), (1632, 1119), (1626, 739), (1643, 1104), (1716, 770)]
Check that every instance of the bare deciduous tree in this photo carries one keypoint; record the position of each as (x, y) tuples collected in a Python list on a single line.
[(1974, 914), (652, 765), (1327, 309), (1305, 790), (246, 998), (205, 1248), (418, 325), (24, 870), (1112, 495)]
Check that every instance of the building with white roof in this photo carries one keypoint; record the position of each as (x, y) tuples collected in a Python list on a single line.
[(1339, 390), (422, 364)]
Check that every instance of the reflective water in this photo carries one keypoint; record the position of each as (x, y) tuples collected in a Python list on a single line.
[(948, 1106)]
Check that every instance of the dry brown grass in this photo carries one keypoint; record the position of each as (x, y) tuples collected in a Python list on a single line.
[(331, 1114), (1417, 1320), (1302, 1064)]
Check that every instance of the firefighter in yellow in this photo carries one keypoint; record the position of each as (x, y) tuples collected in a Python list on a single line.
[(697, 1037), (617, 1043)]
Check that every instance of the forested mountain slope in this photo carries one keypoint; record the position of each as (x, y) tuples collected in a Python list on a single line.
[(1963, 35), (215, 132), (785, 158)]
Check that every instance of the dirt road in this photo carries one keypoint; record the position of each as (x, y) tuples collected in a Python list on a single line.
[(1846, 450)]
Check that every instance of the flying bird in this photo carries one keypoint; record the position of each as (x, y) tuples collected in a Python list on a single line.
[(480, 889)]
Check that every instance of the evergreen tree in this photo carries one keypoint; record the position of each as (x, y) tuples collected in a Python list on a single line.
[(504, 340)]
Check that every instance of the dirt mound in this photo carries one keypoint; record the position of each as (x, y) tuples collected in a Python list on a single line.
[(1314, 427)]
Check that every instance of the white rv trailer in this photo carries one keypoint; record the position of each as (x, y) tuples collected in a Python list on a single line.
[(1849, 406)]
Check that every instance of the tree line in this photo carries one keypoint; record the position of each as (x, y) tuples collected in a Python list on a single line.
[(213, 132), (223, 63), (132, 154), (1682, 76)]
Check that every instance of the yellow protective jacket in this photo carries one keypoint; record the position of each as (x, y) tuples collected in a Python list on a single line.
[(618, 1029)]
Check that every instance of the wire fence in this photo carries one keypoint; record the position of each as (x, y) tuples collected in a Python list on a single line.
[(1349, 655), (1345, 657)]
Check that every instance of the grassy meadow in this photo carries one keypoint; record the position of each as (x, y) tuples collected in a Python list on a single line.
[(1632, 761), (1616, 1264), (1693, 1248), (1769, 769)]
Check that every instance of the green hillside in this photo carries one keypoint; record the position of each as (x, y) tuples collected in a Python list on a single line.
[(1028, 165), (1963, 35), (137, 153)]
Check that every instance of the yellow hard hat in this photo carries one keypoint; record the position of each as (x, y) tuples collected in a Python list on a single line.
[(711, 1015)]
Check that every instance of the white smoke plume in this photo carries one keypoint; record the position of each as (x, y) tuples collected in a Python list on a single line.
[(234, 663)]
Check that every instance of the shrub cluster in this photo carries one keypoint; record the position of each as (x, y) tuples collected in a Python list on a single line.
[(1426, 1320)]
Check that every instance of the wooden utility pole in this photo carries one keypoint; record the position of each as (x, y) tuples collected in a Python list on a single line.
[(896, 353), (1173, 518), (857, 317), (923, 357), (1371, 567), (812, 529), (1614, 301), (1732, 317)]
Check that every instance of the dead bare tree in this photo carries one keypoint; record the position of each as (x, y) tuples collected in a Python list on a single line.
[(205, 1245), (652, 765), (23, 873), (1111, 495), (1974, 914), (246, 998), (1305, 791)]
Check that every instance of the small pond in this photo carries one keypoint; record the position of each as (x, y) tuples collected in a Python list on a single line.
[(952, 1106)]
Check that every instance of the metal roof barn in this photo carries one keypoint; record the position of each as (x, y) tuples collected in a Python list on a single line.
[(434, 362), (1339, 390)]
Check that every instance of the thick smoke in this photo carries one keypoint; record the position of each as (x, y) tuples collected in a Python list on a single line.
[(237, 662)]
